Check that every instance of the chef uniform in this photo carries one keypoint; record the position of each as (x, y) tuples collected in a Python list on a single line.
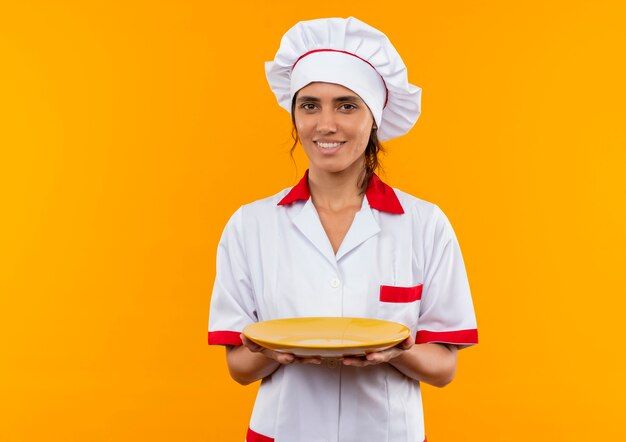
[(400, 261)]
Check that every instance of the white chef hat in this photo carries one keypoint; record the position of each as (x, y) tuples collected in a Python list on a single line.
[(351, 53)]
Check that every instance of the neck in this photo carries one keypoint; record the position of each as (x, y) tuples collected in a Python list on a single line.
[(335, 190)]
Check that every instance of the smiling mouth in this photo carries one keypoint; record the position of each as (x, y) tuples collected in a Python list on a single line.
[(329, 145)]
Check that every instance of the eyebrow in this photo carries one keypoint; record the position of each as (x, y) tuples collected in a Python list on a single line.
[(336, 99)]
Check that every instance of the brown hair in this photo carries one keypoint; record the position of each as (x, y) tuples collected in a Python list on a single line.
[(371, 160)]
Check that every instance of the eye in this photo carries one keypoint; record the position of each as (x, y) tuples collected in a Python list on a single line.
[(347, 106), (307, 106)]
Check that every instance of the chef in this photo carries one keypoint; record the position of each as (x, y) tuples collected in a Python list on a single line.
[(342, 243)]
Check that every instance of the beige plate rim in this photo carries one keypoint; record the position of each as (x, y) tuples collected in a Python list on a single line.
[(374, 343)]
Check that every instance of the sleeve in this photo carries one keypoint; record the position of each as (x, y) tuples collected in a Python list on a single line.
[(446, 311), (232, 301)]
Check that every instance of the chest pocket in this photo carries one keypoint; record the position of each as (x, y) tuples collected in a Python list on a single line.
[(392, 293), (400, 304)]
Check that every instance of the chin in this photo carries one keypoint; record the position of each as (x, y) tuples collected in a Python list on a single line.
[(330, 168), (334, 168)]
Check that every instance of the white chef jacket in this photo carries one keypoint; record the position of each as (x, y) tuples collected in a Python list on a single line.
[(400, 261)]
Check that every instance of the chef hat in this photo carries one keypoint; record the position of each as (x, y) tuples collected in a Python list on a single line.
[(351, 53)]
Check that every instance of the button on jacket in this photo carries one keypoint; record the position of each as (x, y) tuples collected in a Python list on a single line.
[(400, 261)]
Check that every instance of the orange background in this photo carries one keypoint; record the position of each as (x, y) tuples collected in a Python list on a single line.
[(130, 132)]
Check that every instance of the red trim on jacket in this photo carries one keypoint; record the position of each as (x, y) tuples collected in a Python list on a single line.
[(460, 337), (390, 293), (379, 195), (299, 192), (253, 436), (225, 338)]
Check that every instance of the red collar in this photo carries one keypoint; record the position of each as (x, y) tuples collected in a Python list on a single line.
[(379, 195)]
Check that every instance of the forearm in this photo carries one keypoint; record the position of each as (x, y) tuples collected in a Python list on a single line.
[(246, 367), (434, 364)]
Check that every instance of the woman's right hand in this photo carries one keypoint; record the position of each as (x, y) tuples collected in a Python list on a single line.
[(281, 358)]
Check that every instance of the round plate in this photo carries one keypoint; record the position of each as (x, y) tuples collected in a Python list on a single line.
[(327, 337)]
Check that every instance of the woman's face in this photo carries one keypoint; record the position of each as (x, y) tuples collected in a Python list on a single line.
[(334, 126)]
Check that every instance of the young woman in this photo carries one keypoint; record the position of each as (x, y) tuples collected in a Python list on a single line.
[(342, 243)]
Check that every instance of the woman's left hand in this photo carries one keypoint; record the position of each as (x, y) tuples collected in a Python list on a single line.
[(380, 357)]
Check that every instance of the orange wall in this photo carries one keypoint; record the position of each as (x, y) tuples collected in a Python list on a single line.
[(130, 133)]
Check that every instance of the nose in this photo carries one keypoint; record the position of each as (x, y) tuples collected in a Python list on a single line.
[(326, 122)]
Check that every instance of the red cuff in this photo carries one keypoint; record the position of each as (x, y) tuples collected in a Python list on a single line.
[(460, 337), (225, 338)]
